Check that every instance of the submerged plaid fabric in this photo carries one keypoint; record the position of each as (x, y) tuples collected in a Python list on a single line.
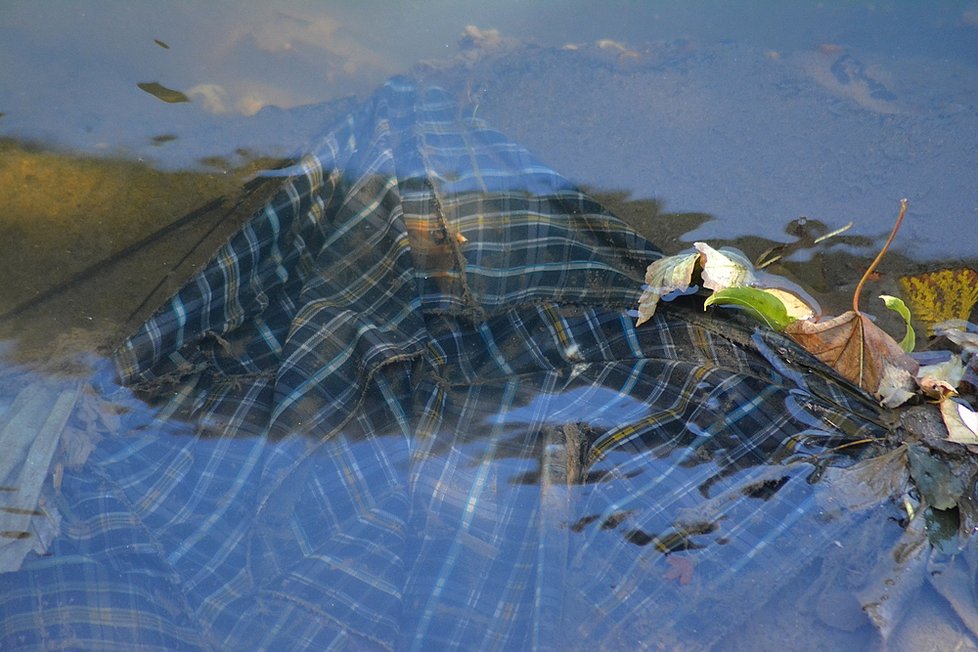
[(406, 407)]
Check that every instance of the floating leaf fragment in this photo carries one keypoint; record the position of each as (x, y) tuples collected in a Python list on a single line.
[(962, 333), (866, 484), (935, 478), (944, 294), (909, 341), (852, 345), (663, 276), (892, 584), (761, 304), (681, 569), (961, 422)]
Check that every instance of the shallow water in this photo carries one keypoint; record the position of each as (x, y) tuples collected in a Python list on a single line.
[(691, 122), (710, 114)]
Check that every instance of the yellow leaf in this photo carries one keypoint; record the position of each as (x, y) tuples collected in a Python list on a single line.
[(938, 296)]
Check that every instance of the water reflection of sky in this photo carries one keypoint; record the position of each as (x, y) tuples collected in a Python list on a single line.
[(70, 73), (255, 73), (597, 406)]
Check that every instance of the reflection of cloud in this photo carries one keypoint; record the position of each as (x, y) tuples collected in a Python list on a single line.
[(212, 98), (254, 101), (248, 100), (289, 59), (285, 31)]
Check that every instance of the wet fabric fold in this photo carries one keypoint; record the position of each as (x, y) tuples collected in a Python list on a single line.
[(407, 407)]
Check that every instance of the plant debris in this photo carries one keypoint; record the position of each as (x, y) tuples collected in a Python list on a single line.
[(854, 346), (961, 422), (723, 271), (850, 343)]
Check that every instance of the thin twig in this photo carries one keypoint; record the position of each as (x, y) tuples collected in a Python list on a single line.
[(839, 231), (858, 442), (792, 246), (879, 257)]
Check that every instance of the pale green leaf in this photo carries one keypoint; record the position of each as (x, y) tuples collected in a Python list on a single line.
[(909, 341)]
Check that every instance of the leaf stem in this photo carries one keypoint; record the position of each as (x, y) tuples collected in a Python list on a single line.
[(858, 442), (879, 256)]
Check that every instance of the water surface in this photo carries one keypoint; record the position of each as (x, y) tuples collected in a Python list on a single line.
[(691, 121)]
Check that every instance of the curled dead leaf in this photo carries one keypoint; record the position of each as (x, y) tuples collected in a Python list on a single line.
[(854, 346), (940, 380), (724, 269), (896, 386), (663, 276), (720, 271)]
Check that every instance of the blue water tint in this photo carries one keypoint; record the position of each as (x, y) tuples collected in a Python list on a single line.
[(406, 406)]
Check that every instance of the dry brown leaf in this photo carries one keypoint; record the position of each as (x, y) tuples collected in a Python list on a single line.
[(854, 346)]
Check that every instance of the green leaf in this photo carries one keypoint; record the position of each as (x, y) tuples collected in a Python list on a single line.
[(762, 305), (897, 305)]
